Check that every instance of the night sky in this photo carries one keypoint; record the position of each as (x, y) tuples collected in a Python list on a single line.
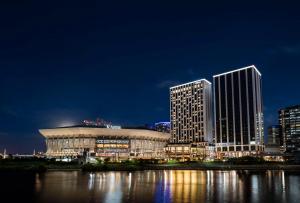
[(61, 63)]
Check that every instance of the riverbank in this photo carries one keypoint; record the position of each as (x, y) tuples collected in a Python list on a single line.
[(44, 165), (190, 166), (36, 165)]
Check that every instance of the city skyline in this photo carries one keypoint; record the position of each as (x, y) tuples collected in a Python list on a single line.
[(62, 65)]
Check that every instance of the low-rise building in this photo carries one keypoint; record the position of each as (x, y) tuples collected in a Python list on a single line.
[(101, 141), (188, 151)]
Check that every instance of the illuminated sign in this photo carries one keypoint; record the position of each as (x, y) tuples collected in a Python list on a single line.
[(102, 141), (112, 145)]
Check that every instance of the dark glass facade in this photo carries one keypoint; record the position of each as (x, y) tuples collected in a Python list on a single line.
[(289, 119), (238, 111)]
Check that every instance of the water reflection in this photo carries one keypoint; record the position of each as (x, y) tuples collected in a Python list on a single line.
[(168, 186)]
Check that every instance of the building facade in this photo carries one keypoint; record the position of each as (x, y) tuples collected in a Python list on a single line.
[(191, 117), (289, 120), (191, 112), (116, 143), (238, 112), (274, 147), (275, 135)]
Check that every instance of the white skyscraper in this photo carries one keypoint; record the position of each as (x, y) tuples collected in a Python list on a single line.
[(191, 112)]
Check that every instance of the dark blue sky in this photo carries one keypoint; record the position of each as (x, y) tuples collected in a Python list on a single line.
[(65, 62)]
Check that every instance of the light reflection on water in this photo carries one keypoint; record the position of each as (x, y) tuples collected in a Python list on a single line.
[(168, 186)]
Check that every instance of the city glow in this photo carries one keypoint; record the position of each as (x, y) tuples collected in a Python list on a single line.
[(66, 123)]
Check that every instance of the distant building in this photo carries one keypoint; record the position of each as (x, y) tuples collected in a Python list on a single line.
[(191, 118), (162, 127), (289, 120), (238, 112), (275, 135), (275, 142)]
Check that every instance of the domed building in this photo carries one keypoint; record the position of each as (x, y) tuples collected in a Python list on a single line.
[(104, 141)]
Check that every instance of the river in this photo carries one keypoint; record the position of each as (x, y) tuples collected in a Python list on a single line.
[(152, 186)]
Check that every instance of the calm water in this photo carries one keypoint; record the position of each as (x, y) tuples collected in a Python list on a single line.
[(152, 186)]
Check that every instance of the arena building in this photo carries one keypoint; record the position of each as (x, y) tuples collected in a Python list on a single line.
[(103, 141)]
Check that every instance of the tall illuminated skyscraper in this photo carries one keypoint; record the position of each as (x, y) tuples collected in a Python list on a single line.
[(238, 112), (191, 112)]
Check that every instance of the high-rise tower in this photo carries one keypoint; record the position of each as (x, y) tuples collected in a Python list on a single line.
[(191, 112), (238, 112)]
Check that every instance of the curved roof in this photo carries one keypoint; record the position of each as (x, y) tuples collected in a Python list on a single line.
[(95, 132)]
